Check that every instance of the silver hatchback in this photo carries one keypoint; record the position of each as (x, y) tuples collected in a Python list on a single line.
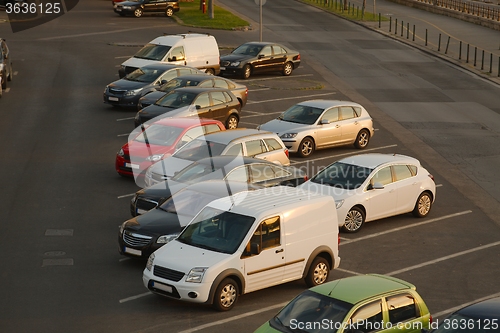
[(318, 124)]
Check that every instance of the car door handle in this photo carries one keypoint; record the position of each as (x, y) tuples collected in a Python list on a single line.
[(337, 126), (355, 123), (279, 251)]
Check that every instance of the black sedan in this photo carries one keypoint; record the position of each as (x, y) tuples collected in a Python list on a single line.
[(259, 57), (196, 80), (127, 91), (210, 103), (138, 8), (480, 317), (144, 234), (231, 168)]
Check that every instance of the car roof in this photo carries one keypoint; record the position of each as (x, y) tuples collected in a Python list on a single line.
[(199, 76), (355, 289), (185, 122), (221, 187), (231, 161), (328, 103), (231, 135), (373, 160), (489, 308), (261, 43), (197, 90)]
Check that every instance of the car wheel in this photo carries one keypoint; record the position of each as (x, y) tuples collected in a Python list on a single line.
[(138, 12), (226, 295), (4, 80), (169, 12), (10, 74), (354, 220), (247, 71), (287, 70), (232, 122), (318, 272), (423, 205), (306, 147), (362, 139), (210, 71)]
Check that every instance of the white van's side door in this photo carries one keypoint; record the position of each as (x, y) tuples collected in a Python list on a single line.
[(177, 56), (264, 258)]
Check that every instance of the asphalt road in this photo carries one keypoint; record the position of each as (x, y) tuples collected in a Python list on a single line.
[(62, 200)]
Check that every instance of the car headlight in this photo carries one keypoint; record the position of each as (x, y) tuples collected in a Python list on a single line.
[(235, 63), (121, 153), (339, 203), (136, 195), (122, 227), (127, 7), (132, 92), (137, 116), (155, 158), (149, 264), (166, 238), (288, 135), (106, 89), (196, 274)]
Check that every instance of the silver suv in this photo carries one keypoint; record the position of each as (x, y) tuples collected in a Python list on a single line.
[(5, 65), (246, 142)]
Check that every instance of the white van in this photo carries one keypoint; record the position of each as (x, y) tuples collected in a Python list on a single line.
[(246, 242), (195, 50)]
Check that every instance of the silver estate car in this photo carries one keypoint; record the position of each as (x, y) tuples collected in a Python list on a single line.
[(318, 124)]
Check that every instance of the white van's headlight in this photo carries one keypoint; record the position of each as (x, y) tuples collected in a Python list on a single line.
[(339, 203), (149, 264), (196, 274), (166, 238)]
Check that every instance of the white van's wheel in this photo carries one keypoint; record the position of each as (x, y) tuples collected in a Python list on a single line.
[(318, 272), (210, 71), (226, 295)]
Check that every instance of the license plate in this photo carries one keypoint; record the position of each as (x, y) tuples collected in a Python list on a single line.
[(132, 251), (132, 166), (141, 211), (223, 68), (111, 98), (161, 286)]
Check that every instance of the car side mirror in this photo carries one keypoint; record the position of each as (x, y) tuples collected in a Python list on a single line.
[(255, 248), (174, 58), (162, 82), (198, 107), (376, 186), (324, 121), (261, 56)]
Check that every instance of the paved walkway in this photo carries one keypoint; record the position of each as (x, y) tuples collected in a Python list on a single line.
[(446, 37)]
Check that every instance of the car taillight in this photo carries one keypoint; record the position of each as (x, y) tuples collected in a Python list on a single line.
[(430, 319), (306, 178), (246, 92), (431, 177), (286, 153), (297, 57), (339, 239)]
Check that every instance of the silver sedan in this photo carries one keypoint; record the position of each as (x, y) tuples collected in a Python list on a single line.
[(318, 124)]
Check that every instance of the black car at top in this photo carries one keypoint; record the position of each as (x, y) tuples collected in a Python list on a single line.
[(144, 234), (227, 167), (127, 91), (259, 57), (210, 103), (196, 80), (138, 8)]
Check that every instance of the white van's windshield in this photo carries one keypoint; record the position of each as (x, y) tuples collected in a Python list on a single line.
[(217, 230), (153, 52)]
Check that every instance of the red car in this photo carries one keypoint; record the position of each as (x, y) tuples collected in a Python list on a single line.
[(160, 138)]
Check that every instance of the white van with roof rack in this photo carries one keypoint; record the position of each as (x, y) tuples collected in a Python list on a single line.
[(191, 49), (247, 242)]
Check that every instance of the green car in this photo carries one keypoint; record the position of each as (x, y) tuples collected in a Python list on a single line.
[(358, 304)]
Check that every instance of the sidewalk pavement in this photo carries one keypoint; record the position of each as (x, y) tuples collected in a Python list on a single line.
[(445, 37)]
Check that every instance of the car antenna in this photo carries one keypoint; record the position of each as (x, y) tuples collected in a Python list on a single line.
[(335, 286)]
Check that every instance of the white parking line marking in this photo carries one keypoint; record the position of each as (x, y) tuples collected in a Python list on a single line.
[(344, 239), (406, 227), (123, 57), (227, 320), (261, 89), (347, 271), (458, 307), (125, 196), (339, 155), (134, 297), (246, 122), (277, 78), (439, 185), (261, 114), (122, 119), (99, 33), (127, 134), (124, 259), (431, 262), (294, 97)]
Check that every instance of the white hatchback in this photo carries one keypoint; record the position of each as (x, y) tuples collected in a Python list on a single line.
[(369, 187)]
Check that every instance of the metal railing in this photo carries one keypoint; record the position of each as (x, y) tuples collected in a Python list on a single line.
[(467, 7)]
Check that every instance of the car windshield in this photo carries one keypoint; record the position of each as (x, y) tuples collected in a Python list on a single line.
[(342, 175), (178, 83), (159, 135), (146, 75), (198, 149), (309, 312), (195, 171), (301, 114), (248, 49), (457, 323), (152, 52), (187, 202), (176, 99), (217, 230)]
